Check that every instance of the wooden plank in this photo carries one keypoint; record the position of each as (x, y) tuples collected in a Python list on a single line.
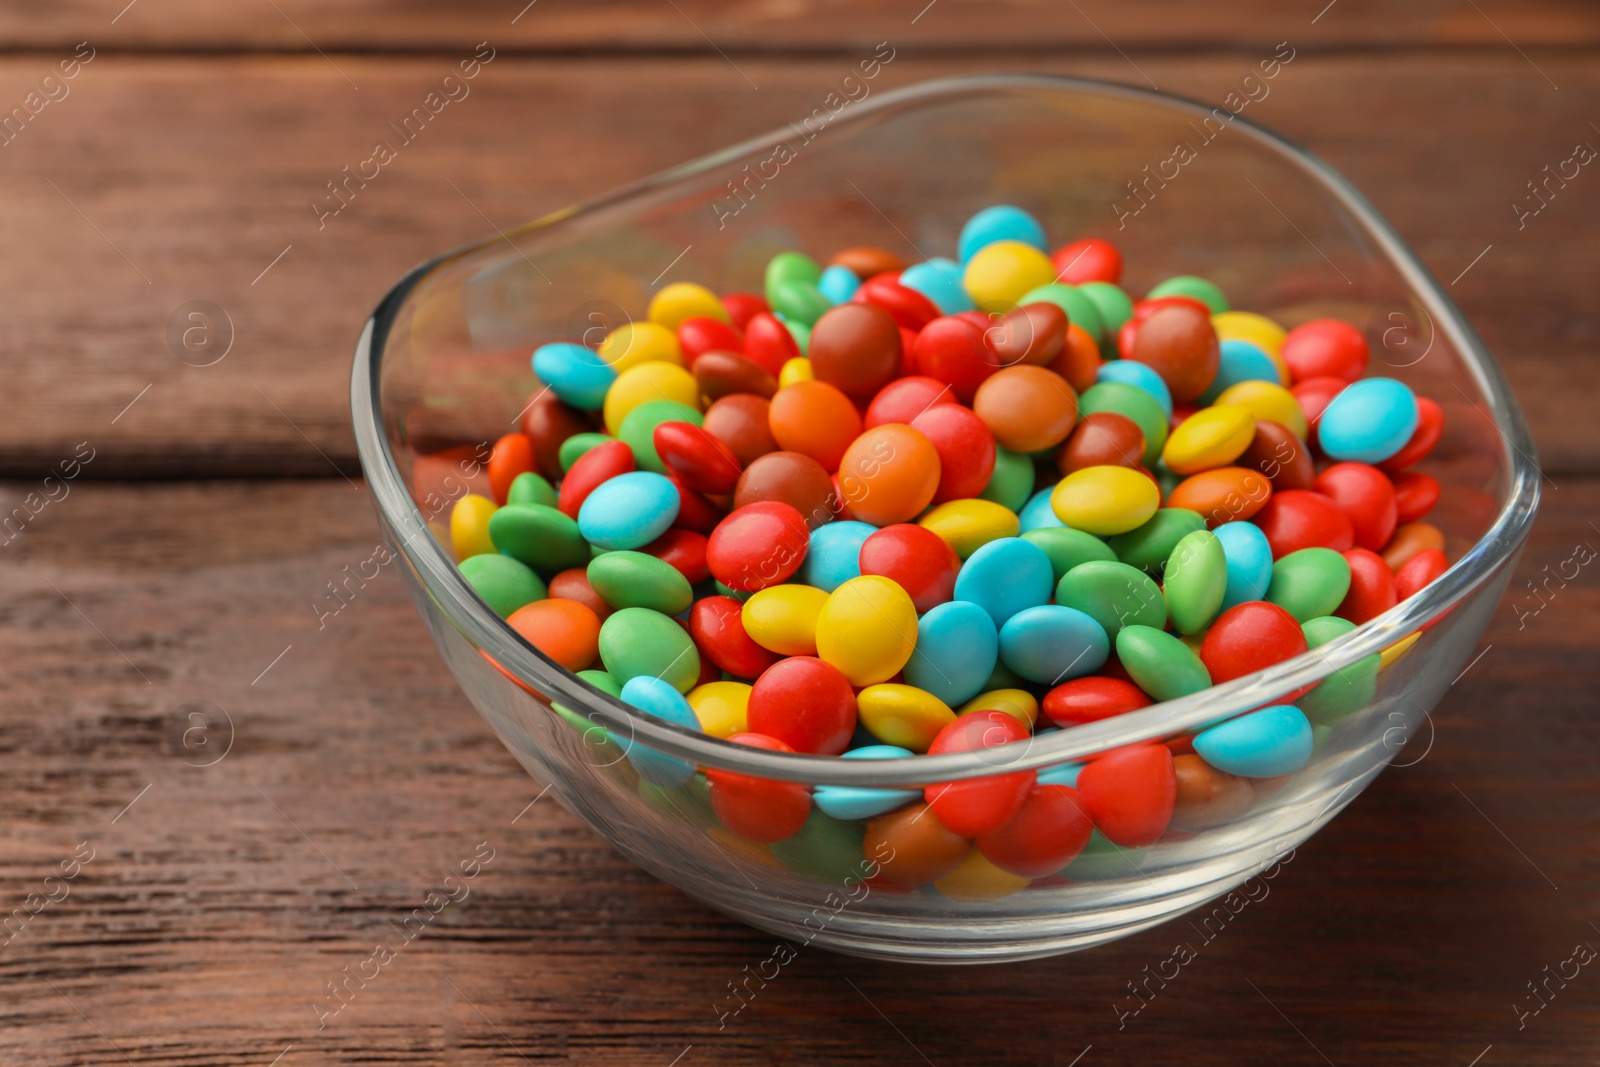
[(695, 25), (217, 905), (163, 181)]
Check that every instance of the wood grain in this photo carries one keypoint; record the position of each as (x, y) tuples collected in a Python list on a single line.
[(162, 181), (216, 908)]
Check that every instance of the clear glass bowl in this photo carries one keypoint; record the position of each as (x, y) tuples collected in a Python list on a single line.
[(442, 369)]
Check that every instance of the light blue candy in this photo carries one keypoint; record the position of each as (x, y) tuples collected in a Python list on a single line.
[(833, 555), (1052, 643), (1369, 421), (838, 284), (1140, 376), (661, 699), (940, 281), (854, 802), (574, 373), (1239, 361), (957, 648), (1263, 744), (1249, 560), (1000, 223), (1005, 576), (1037, 514), (628, 511), (1061, 774)]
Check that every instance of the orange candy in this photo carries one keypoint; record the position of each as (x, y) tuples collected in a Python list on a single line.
[(1223, 494), (1027, 408), (815, 419), (1410, 539), (1079, 360), (889, 474), (512, 455), (565, 630)]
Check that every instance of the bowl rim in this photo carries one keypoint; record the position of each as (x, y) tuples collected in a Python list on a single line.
[(439, 578)]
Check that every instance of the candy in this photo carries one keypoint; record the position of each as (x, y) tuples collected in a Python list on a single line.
[(720, 374), (758, 809), (940, 281), (1239, 361), (1159, 663), (889, 474), (1134, 404), (838, 283), (1051, 643), (979, 806), (852, 802), (1370, 421), (1372, 587), (1129, 794), (814, 418), (1249, 562), (1248, 638), (951, 350), (783, 619), (1129, 372), (638, 580), (470, 522), (539, 536), (1099, 440), (1191, 286), (700, 334), (564, 630), (1178, 342), (1067, 548), (1211, 437), (805, 703), (909, 308), (968, 525), (902, 715), (628, 511), (855, 347), (1001, 222), (579, 445), (1105, 500), (1045, 834), (966, 451), (1091, 259), (1263, 744), (638, 641), (503, 583), (1299, 518), (1367, 497), (1028, 409), (1268, 402), (1195, 581), (1018, 703), (1004, 577), (722, 708), (1149, 545), (999, 273), (574, 584), (1010, 483), (1077, 305), (956, 651), (741, 422), (717, 625), (1415, 494), (789, 478), (757, 545), (867, 629), (1279, 454), (1207, 797), (656, 697), (918, 850), (634, 343), (1430, 427), (1086, 700), (769, 343), (578, 375), (1408, 541), (1325, 348), (1346, 690), (598, 465), (1113, 594), (531, 488), (834, 555), (1309, 583), (1422, 568)]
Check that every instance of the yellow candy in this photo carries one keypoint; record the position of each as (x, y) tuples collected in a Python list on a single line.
[(968, 525), (867, 629), (685, 300), (978, 879), (721, 707), (1256, 329), (783, 618), (1003, 272), (902, 715), (645, 382), (1396, 652), (1018, 703), (794, 370), (469, 526), (1105, 500), (1266, 401), (1211, 437), (634, 343)]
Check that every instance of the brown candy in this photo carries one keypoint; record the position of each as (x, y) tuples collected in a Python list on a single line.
[(1207, 797), (1032, 333), (867, 260), (740, 422), (720, 374), (1179, 344), (912, 847), (1280, 455), (548, 422), (789, 478), (855, 347), (1103, 439)]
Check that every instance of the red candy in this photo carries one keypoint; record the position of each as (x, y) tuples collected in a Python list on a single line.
[(697, 336), (1249, 637), (1372, 587), (903, 399), (914, 558), (965, 446), (695, 512), (908, 307), (1366, 496), (600, 464), (1178, 343), (1092, 259), (1045, 834), (1325, 348), (742, 307), (1418, 571), (685, 550), (1415, 494), (1303, 518), (805, 703), (769, 343), (1430, 426), (512, 455), (1129, 794), (1314, 395), (758, 545), (700, 461), (758, 809), (548, 422), (717, 625), (951, 350), (1085, 700), (979, 806)]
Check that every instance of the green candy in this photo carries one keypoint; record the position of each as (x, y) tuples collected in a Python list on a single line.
[(786, 267), (639, 427), (1195, 581), (574, 447), (737, 594), (799, 301), (593, 733), (602, 681), (1134, 403), (825, 849), (504, 583), (1309, 583), (1148, 547), (1012, 481), (1344, 691), (530, 488), (1003, 677), (540, 536), (1067, 547), (1101, 859), (636, 642), (1114, 305), (801, 334), (1114, 595), (639, 580), (1079, 308), (689, 802), (1193, 287), (1160, 664)]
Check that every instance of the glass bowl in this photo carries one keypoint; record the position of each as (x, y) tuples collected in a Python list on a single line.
[(442, 370)]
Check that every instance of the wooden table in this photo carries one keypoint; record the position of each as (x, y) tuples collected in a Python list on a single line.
[(261, 798)]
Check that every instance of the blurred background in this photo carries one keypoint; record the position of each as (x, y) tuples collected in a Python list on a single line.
[(248, 791)]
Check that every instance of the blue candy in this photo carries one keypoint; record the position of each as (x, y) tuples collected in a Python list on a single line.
[(1053, 643), (1263, 744), (1000, 223), (1037, 514), (574, 373), (854, 802), (1061, 774), (1249, 561), (1239, 361), (1140, 376), (660, 699), (940, 281), (957, 647), (838, 284), (833, 556), (628, 511), (1005, 576), (1369, 421)]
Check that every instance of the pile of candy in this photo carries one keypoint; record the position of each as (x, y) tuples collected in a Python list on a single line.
[(887, 509)]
